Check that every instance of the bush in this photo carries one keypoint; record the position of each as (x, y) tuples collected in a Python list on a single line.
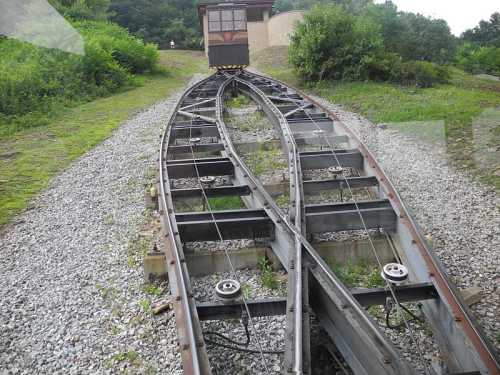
[(475, 59), (421, 74), (36, 79), (331, 43)]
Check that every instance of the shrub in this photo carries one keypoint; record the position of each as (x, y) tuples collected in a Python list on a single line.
[(36, 80), (475, 59), (421, 74), (330, 43)]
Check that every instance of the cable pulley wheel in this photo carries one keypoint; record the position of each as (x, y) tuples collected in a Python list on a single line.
[(337, 170), (194, 140), (207, 180), (228, 289), (395, 273)]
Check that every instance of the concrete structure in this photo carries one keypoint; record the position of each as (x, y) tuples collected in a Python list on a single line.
[(264, 30)]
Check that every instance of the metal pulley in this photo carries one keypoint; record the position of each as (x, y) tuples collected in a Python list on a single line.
[(336, 170), (194, 141), (228, 289), (207, 180), (395, 273)]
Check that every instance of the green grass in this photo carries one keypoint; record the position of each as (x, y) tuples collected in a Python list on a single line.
[(267, 276), (239, 101), (359, 273), (462, 106), (30, 158), (226, 203)]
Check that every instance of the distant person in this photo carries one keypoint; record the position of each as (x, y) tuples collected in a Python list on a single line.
[(172, 44)]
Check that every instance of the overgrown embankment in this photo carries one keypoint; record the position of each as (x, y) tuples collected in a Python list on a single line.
[(29, 158)]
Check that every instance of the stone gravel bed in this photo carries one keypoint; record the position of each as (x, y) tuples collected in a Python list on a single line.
[(72, 294), (267, 333), (459, 215)]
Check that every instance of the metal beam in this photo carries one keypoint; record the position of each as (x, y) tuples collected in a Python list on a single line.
[(218, 191), (404, 293), (197, 104), (285, 99), (361, 346), (315, 186), (196, 130), (234, 224), (301, 126), (298, 109), (223, 310), (320, 140), (325, 159), (345, 216), (196, 147), (196, 117), (186, 168)]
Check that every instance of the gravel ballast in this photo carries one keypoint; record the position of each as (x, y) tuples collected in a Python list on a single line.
[(72, 295), (72, 298)]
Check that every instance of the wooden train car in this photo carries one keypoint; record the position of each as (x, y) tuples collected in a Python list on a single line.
[(227, 36)]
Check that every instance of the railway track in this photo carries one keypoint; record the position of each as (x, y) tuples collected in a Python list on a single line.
[(200, 161)]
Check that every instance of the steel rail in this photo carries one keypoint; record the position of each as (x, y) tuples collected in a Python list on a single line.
[(394, 364), (290, 229), (461, 313), (191, 360), (297, 216)]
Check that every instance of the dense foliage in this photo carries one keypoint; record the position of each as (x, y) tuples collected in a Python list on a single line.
[(160, 21), (476, 59), (413, 36), (350, 5), (33, 79), (82, 9), (334, 44), (480, 52), (487, 33)]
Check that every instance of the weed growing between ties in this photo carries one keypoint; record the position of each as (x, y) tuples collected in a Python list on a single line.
[(358, 273), (267, 276)]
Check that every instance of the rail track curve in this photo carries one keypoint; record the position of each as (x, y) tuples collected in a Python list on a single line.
[(199, 160)]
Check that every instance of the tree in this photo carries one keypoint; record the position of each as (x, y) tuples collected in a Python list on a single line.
[(487, 33), (331, 43), (413, 36), (354, 6), (159, 21), (82, 9)]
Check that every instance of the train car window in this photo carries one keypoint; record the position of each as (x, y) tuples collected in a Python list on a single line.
[(227, 15), (240, 19), (227, 20), (214, 20)]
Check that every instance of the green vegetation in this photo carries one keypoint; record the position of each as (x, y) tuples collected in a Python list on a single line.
[(265, 161), (36, 82), (479, 59), (246, 290), (458, 104), (359, 273), (239, 101), (487, 33), (331, 43), (226, 203), (29, 158), (267, 276), (160, 21), (131, 356), (152, 289), (145, 305)]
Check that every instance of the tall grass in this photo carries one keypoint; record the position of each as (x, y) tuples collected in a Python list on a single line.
[(35, 81)]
